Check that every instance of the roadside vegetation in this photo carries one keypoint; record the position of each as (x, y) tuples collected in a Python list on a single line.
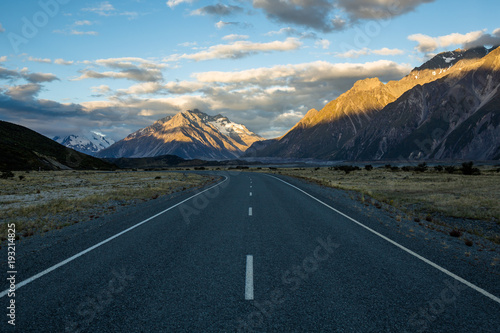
[(41, 201)]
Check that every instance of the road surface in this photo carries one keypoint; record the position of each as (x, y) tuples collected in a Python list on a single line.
[(254, 253)]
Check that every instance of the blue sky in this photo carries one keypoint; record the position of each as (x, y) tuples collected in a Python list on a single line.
[(69, 66)]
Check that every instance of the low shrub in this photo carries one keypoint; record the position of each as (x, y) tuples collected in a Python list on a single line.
[(438, 168), (347, 168), (450, 169), (422, 167)]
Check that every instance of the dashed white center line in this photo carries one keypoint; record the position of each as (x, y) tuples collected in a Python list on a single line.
[(249, 279), (250, 193), (249, 211)]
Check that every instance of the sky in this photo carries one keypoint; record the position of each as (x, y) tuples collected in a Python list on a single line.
[(74, 66)]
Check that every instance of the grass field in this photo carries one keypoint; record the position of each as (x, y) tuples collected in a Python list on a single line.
[(41, 201)]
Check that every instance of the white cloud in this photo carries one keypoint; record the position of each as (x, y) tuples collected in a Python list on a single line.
[(366, 51), (75, 32), (63, 62), (128, 62), (142, 88), (496, 32), (83, 22), (3, 58), (306, 73), (1, 28), (24, 92), (188, 44), (427, 44), (323, 43), (141, 75), (286, 31), (388, 52), (103, 9), (184, 87), (101, 90), (130, 68), (221, 24), (174, 3), (234, 37), (40, 60), (239, 49), (24, 73)]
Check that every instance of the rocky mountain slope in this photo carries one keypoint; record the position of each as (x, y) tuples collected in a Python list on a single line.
[(188, 134), (24, 149), (88, 144), (447, 108)]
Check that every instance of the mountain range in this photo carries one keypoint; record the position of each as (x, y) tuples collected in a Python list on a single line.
[(189, 135), (88, 144), (448, 108), (24, 149)]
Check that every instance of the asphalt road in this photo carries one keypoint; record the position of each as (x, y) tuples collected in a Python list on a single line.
[(252, 254)]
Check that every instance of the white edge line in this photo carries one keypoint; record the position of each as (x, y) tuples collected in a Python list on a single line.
[(249, 279), (64, 262), (427, 261)]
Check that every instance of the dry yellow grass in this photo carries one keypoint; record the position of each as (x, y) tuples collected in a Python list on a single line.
[(455, 195), (33, 202)]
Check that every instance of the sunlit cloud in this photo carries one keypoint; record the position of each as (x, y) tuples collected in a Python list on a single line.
[(428, 44), (366, 51), (174, 3), (239, 49)]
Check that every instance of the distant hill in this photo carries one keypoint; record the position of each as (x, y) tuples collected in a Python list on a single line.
[(188, 134), (24, 149), (448, 108)]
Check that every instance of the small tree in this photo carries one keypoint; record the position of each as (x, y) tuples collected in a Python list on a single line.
[(368, 167), (468, 169)]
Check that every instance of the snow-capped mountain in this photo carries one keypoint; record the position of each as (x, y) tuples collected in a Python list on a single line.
[(188, 134), (89, 144)]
